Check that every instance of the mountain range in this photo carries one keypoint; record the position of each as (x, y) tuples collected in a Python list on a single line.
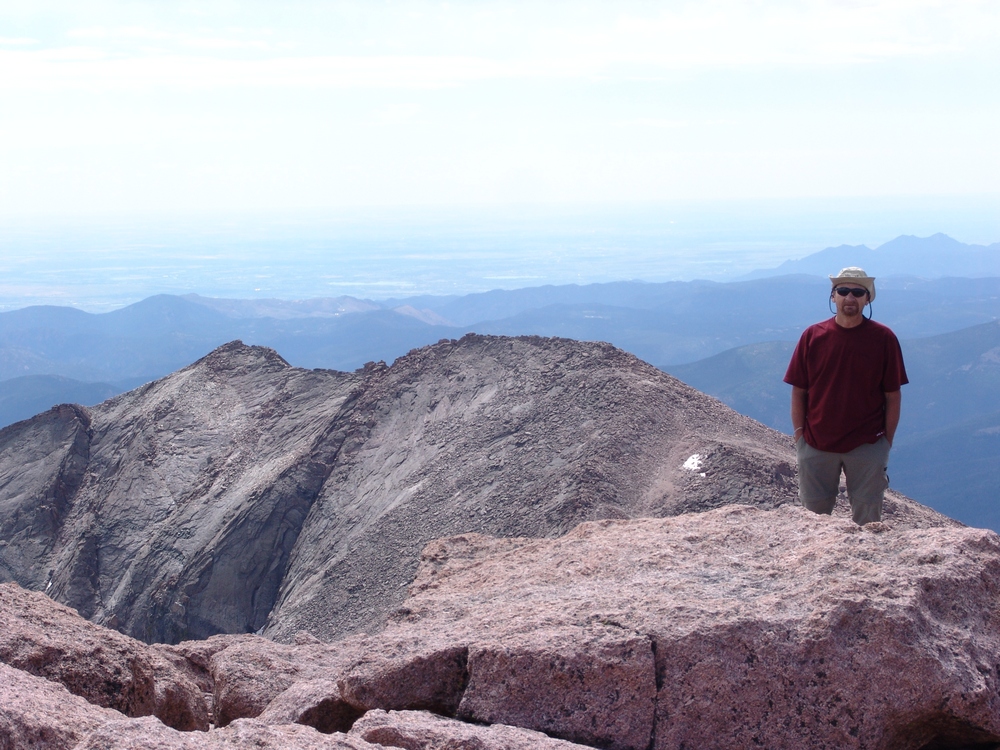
[(937, 256), (52, 355), (241, 494), (665, 324)]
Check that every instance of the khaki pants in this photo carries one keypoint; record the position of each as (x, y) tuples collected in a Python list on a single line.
[(865, 469)]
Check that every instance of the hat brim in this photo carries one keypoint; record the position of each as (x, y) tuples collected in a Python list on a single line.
[(868, 282)]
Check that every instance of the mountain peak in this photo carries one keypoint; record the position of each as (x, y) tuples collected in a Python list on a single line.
[(242, 494), (237, 355), (907, 255)]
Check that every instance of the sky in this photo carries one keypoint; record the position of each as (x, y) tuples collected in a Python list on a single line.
[(219, 105)]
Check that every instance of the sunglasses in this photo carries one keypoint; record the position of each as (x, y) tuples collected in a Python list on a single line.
[(843, 291)]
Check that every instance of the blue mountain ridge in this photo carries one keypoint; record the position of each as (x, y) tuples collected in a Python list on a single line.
[(931, 257)]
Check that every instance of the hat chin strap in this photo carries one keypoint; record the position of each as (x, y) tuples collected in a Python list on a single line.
[(868, 304)]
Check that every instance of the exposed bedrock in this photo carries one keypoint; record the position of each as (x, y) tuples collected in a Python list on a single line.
[(44, 461), (733, 628), (147, 734), (42, 715), (242, 495), (419, 729), (102, 666)]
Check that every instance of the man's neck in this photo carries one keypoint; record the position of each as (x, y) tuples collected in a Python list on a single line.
[(849, 321)]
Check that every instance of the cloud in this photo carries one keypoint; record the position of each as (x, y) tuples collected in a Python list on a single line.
[(653, 122), (130, 34), (738, 34), (463, 47), (92, 68)]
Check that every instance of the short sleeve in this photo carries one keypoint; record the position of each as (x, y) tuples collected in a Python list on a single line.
[(797, 375)]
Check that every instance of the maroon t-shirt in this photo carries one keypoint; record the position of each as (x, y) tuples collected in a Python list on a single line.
[(847, 372)]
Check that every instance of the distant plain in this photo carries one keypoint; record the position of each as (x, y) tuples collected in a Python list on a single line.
[(100, 263)]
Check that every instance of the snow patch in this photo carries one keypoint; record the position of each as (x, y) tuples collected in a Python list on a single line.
[(694, 463)]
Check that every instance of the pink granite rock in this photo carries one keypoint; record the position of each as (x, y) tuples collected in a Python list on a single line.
[(419, 730), (250, 674), (412, 672), (777, 629), (247, 673), (40, 714), (595, 686), (193, 660), (108, 669), (407, 671), (732, 628), (244, 733), (315, 703), (150, 734)]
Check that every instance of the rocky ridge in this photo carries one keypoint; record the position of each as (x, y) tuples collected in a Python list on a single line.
[(244, 495)]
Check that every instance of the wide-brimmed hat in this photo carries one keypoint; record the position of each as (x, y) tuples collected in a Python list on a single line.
[(855, 275)]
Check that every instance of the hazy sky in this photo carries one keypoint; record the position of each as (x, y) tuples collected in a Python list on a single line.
[(214, 105)]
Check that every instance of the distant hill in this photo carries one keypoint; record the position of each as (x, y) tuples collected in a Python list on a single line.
[(931, 257), (161, 334), (28, 395), (747, 379), (956, 469), (324, 307), (664, 324)]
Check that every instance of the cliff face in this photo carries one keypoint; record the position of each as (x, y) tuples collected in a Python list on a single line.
[(172, 510), (244, 495)]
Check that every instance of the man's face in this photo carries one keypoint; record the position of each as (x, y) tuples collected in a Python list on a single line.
[(848, 305)]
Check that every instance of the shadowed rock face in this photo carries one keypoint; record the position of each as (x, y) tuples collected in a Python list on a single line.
[(50, 455), (171, 511), (244, 495)]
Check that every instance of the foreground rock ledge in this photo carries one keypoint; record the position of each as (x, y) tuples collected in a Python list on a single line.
[(734, 628)]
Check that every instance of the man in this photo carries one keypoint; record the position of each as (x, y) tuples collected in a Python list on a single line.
[(846, 373)]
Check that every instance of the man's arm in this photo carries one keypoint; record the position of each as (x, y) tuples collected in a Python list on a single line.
[(799, 411), (892, 403)]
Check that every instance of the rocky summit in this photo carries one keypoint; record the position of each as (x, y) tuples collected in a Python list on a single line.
[(729, 629), (243, 495)]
